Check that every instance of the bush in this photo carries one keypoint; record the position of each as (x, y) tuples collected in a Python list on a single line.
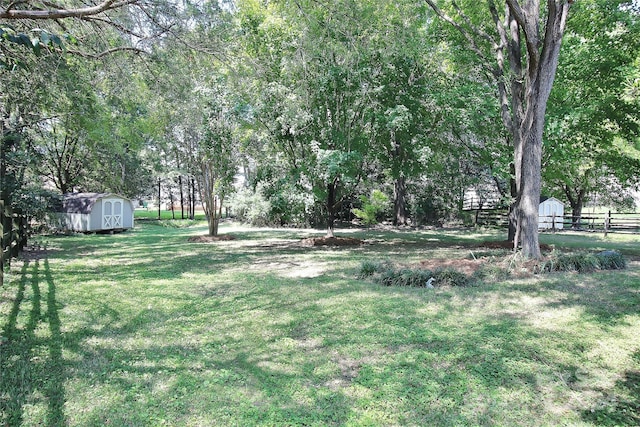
[(450, 277), (369, 268), (178, 223), (250, 206), (384, 273), (583, 262), (611, 260), (372, 207)]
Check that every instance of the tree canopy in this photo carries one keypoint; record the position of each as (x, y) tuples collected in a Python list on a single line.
[(319, 103)]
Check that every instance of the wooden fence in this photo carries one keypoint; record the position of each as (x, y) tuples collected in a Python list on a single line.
[(13, 229), (608, 222)]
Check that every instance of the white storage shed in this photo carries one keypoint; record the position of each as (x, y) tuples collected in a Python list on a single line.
[(550, 214), (95, 212)]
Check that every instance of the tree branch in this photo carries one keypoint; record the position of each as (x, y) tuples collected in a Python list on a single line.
[(58, 13), (465, 33), (526, 20), (105, 53)]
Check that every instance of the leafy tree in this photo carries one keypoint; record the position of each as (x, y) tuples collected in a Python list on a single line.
[(217, 156), (525, 45), (403, 122), (592, 120)]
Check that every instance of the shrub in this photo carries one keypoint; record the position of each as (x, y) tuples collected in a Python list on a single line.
[(250, 206), (583, 262), (611, 260), (372, 207), (178, 223), (369, 268), (490, 272), (450, 277), (384, 273)]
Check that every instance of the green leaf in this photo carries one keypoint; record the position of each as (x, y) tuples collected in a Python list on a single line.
[(68, 37), (24, 39), (36, 46), (45, 38)]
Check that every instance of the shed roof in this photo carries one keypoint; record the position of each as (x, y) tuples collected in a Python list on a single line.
[(544, 199), (83, 202)]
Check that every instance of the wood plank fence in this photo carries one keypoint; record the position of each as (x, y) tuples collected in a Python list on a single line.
[(609, 222), (13, 229)]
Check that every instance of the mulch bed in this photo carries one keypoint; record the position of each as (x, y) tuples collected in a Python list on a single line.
[(466, 266), (209, 239), (331, 241)]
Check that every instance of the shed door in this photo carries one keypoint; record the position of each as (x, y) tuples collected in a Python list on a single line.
[(111, 214)]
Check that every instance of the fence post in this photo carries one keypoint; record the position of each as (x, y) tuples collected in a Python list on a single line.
[(607, 223)]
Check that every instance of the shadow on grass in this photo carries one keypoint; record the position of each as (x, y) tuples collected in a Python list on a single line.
[(619, 406), (255, 347), (602, 296), (30, 363)]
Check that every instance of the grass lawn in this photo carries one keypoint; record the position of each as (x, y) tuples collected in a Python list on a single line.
[(144, 328)]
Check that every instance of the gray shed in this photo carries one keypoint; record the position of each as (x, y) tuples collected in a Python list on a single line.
[(94, 212)]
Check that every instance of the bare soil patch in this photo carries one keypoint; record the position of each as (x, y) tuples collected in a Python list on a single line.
[(331, 241), (209, 239)]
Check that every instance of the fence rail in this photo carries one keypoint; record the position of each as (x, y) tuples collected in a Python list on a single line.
[(13, 229), (597, 222)]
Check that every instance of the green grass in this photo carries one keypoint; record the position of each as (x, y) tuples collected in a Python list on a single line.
[(143, 328), (152, 214)]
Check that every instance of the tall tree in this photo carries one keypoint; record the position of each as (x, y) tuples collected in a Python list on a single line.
[(521, 51), (593, 118), (217, 155)]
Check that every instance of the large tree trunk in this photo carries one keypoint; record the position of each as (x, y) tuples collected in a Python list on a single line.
[(576, 215), (400, 201), (529, 194), (513, 220)]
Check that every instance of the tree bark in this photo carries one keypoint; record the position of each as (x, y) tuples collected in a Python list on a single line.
[(400, 201), (332, 189), (181, 197), (209, 184), (192, 198), (577, 203)]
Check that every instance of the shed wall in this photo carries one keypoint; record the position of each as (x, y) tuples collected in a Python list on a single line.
[(96, 216), (551, 213), (77, 221)]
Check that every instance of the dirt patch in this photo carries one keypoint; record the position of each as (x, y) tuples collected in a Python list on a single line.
[(209, 239), (466, 266), (331, 241)]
